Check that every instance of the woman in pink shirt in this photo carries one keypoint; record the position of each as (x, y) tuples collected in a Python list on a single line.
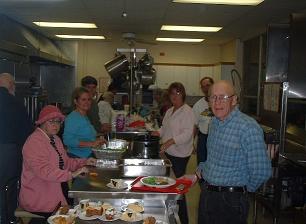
[(46, 166)]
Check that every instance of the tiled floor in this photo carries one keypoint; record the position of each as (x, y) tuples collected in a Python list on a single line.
[(298, 217)]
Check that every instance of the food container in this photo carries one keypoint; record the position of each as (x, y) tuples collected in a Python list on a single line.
[(146, 147), (107, 164), (108, 154), (113, 150), (145, 167), (116, 144)]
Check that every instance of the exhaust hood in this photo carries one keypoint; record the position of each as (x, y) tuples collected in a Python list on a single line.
[(21, 41)]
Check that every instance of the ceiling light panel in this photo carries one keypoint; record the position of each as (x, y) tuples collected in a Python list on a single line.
[(179, 39), (66, 25), (65, 36), (222, 2), (191, 28)]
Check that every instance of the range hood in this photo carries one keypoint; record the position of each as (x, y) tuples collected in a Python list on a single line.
[(23, 42)]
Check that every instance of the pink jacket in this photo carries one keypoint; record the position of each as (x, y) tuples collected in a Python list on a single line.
[(41, 177)]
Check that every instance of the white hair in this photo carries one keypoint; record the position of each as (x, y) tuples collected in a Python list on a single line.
[(7, 81)]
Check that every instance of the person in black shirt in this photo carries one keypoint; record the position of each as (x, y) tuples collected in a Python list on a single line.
[(14, 129)]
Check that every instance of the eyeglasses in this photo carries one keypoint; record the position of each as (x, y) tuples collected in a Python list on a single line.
[(55, 122), (221, 98)]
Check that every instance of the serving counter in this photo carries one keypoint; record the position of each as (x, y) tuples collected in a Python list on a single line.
[(160, 205)]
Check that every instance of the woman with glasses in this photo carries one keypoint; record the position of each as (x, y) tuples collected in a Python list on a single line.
[(79, 134), (46, 166), (177, 136)]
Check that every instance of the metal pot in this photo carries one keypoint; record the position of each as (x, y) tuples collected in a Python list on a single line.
[(147, 77), (117, 66), (146, 147)]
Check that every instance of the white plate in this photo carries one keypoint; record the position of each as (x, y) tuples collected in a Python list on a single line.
[(159, 221), (91, 203), (127, 207), (138, 217), (110, 185), (50, 219), (70, 212), (116, 217), (170, 181), (82, 215)]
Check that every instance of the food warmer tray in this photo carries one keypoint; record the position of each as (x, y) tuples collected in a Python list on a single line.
[(145, 167)]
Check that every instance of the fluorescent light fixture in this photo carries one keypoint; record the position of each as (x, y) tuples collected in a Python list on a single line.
[(191, 28), (179, 39), (222, 2), (66, 25), (80, 37)]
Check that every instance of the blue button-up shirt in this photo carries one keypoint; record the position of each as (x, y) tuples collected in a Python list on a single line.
[(236, 153)]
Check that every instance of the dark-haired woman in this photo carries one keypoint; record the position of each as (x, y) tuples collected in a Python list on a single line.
[(177, 136)]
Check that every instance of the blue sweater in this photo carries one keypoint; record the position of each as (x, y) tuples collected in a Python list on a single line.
[(78, 128)]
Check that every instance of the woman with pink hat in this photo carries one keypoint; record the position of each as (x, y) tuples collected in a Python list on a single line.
[(46, 166)]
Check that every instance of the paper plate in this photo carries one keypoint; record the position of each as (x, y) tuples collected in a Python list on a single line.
[(110, 185), (116, 217), (135, 207), (135, 218), (82, 215), (50, 219)]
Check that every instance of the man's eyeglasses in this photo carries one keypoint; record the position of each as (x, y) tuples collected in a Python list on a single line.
[(221, 98), (55, 122)]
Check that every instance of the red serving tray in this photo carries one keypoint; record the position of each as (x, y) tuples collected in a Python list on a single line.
[(138, 186)]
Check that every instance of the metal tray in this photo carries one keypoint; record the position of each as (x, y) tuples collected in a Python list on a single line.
[(145, 167), (109, 154)]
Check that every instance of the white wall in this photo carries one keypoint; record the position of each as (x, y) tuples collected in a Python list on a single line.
[(228, 52)]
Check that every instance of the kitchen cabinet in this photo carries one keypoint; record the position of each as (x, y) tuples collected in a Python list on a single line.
[(187, 75), (164, 76), (190, 76)]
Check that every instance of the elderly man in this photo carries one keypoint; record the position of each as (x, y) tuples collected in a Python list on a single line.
[(237, 161), (203, 117), (90, 83), (14, 129)]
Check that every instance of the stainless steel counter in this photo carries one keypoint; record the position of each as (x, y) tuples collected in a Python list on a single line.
[(95, 188), (162, 206)]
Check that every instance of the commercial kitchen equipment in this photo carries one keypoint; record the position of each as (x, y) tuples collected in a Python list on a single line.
[(133, 76), (283, 110), (145, 167), (145, 146), (160, 205)]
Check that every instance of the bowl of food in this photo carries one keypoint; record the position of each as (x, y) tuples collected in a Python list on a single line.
[(113, 150), (157, 181)]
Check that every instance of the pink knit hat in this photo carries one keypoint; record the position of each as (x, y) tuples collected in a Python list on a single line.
[(49, 112)]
